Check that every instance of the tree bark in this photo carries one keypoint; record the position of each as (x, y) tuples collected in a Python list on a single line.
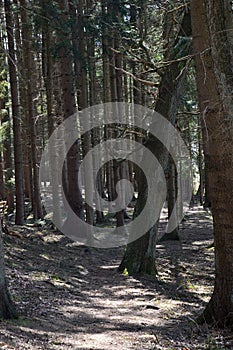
[(7, 308), (28, 61), (65, 57), (7, 163), (172, 191), (140, 255), (18, 159), (212, 25), (79, 39)]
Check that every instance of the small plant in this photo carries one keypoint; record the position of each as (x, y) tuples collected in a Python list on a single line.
[(56, 278)]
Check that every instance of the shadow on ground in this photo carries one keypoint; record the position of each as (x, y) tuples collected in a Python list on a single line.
[(71, 297)]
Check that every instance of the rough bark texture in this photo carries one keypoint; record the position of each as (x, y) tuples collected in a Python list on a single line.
[(69, 107), (27, 168), (19, 190), (212, 25), (30, 78), (6, 191), (79, 39), (140, 255), (7, 309), (172, 190)]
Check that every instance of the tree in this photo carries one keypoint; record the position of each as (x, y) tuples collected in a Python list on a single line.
[(172, 191), (212, 24), (30, 95), (19, 189), (79, 41), (65, 59), (140, 255), (7, 308), (6, 185)]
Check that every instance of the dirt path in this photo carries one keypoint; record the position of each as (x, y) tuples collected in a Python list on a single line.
[(71, 297)]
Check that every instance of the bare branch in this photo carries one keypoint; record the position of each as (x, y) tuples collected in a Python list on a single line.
[(144, 82)]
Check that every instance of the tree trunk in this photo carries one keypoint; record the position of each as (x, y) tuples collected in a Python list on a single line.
[(7, 163), (172, 191), (73, 194), (212, 24), (2, 190), (200, 167), (79, 39), (28, 62), (7, 308), (93, 98), (140, 255), (19, 190), (24, 106)]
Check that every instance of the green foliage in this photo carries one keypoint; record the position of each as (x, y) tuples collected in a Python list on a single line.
[(125, 272)]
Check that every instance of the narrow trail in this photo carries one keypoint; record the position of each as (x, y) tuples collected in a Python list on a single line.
[(71, 297)]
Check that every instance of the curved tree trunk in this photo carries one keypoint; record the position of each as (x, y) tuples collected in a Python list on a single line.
[(212, 23), (139, 256)]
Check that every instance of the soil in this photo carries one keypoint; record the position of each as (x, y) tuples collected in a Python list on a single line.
[(71, 297)]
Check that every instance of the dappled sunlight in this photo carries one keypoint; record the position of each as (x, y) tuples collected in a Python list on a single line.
[(74, 297)]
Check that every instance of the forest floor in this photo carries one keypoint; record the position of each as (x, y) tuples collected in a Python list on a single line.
[(71, 297)]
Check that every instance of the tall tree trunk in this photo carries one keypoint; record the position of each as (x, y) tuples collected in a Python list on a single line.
[(140, 254), (79, 38), (18, 159), (116, 88), (7, 162), (107, 91), (27, 168), (48, 72), (93, 98), (30, 75), (212, 23), (65, 57)]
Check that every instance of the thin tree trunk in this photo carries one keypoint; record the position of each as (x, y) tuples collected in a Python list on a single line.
[(200, 167), (7, 163), (74, 195), (23, 103), (18, 159), (48, 72), (96, 133), (2, 189), (28, 61), (79, 38)]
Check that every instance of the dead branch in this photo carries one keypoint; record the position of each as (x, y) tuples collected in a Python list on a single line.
[(135, 60), (144, 82)]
